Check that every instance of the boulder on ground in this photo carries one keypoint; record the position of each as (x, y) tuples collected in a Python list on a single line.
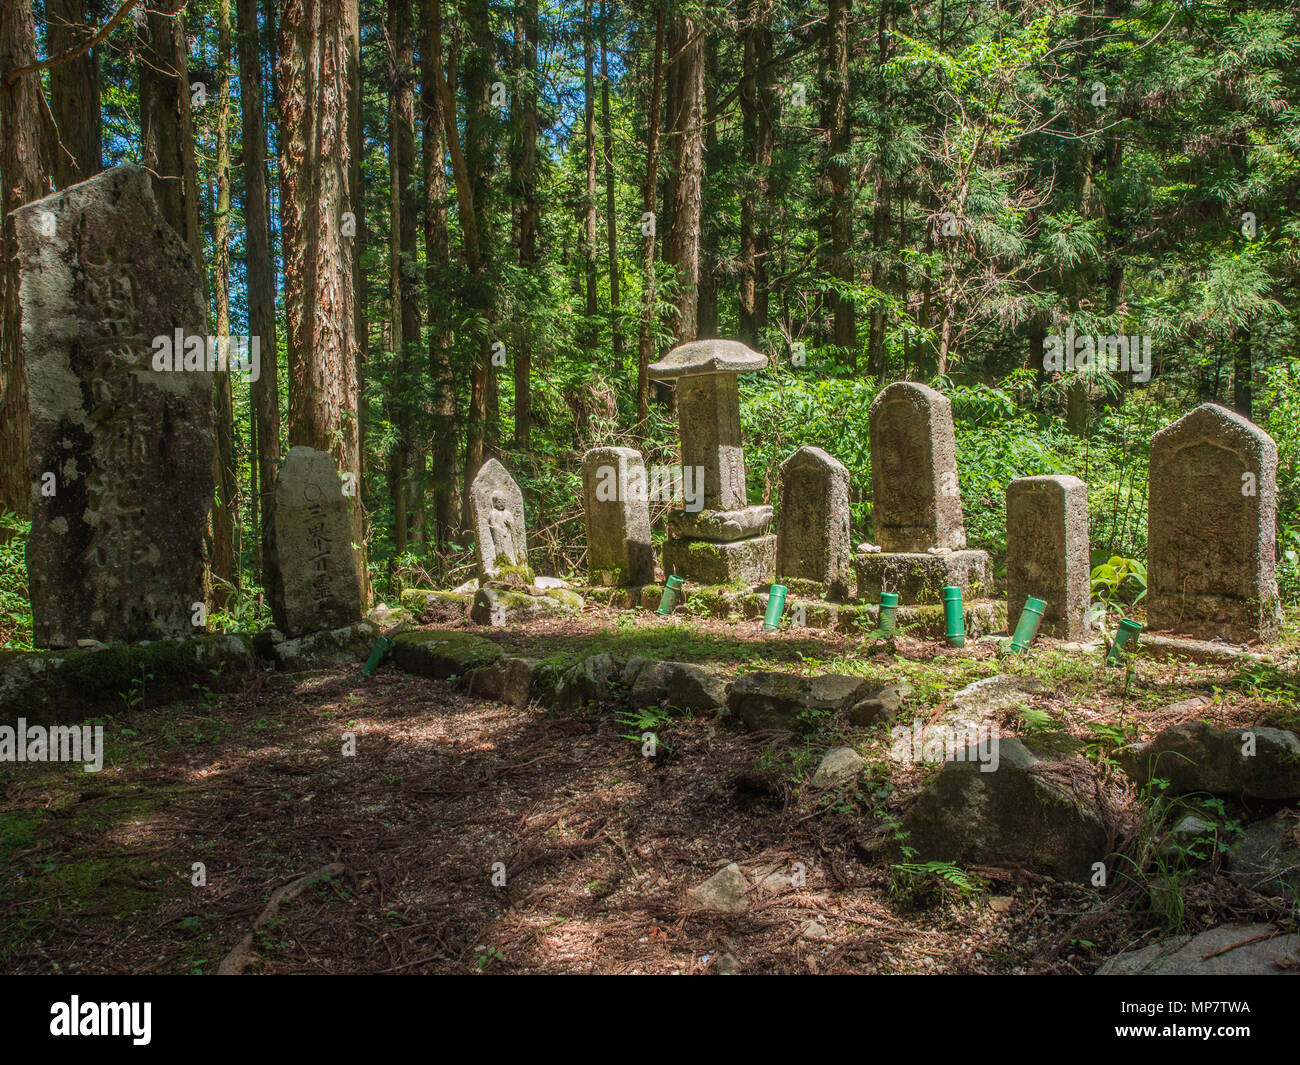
[(496, 605), (508, 680), (1259, 764), (596, 679), (346, 645), (436, 608), (443, 654), (881, 706), (1266, 856), (680, 685), (727, 891), (58, 687), (838, 766), (1040, 813), (789, 702), (1229, 950)]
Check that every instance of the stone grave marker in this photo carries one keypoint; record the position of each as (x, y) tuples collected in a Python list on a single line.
[(497, 507), (1047, 552), (914, 488), (812, 524), (619, 551), (724, 541), (1211, 528), (916, 503), (312, 577), (120, 452)]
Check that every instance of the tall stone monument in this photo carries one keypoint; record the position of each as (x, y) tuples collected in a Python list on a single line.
[(916, 502), (1211, 528), (121, 453), (724, 540), (616, 496), (312, 580), (812, 524), (497, 508), (1047, 552)]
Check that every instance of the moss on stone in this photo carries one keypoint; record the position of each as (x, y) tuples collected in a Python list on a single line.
[(515, 576), (45, 686), (443, 654), (566, 597)]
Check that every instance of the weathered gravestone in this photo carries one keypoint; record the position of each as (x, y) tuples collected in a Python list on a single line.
[(121, 453), (722, 540), (615, 492), (812, 525), (915, 494), (916, 501), (1047, 552), (1211, 531), (313, 582), (497, 507)]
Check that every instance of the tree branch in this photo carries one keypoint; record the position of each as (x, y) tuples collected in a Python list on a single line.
[(73, 53)]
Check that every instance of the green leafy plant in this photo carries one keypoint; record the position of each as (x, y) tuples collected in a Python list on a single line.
[(1117, 584), (918, 880)]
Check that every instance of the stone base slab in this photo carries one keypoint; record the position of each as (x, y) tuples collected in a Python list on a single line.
[(920, 578), (1213, 617), (720, 526), (738, 562)]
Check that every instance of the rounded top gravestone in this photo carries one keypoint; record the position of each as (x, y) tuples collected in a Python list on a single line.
[(1211, 516), (914, 485), (497, 507)]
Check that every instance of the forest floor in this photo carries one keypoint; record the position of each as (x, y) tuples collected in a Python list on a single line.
[(599, 844)]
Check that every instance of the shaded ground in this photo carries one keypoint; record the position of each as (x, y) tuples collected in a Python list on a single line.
[(599, 844)]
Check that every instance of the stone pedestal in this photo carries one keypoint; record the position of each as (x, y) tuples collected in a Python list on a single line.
[(920, 578), (748, 561)]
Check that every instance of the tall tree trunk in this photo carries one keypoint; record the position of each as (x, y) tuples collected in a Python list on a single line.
[(687, 125), (167, 124), (476, 161), (611, 223), (710, 221), (529, 214), (74, 95), (357, 205), (1243, 388), (23, 164), (314, 139), (437, 258), (881, 219), (590, 282), (839, 176), (265, 391), (225, 512), (404, 298), (646, 339), (758, 104)]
